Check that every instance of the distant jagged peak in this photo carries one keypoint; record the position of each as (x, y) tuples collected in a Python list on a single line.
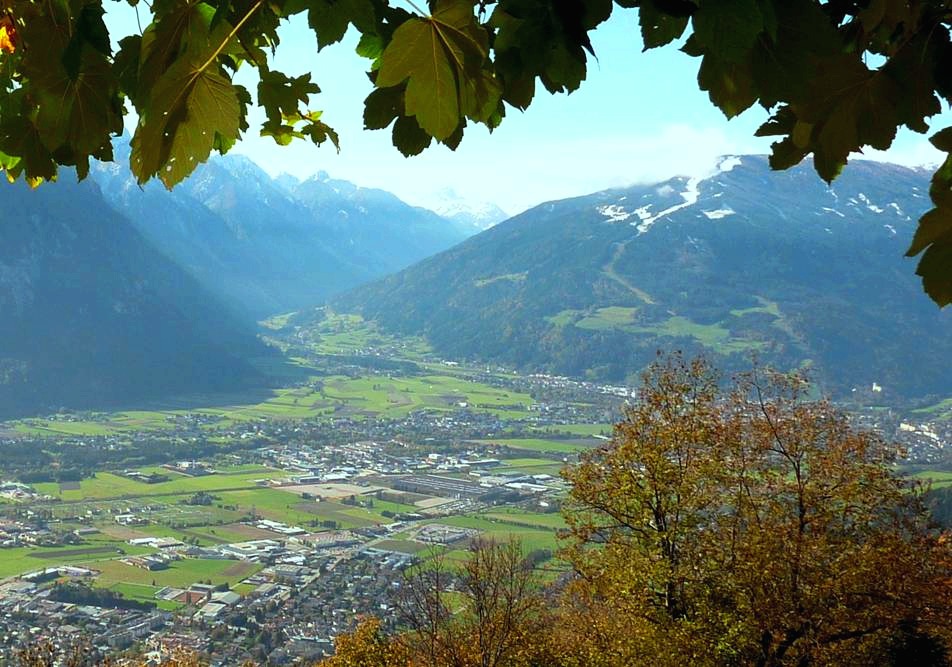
[(287, 182), (474, 215)]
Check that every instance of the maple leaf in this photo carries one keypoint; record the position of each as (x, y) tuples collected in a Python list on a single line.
[(8, 35), (441, 58)]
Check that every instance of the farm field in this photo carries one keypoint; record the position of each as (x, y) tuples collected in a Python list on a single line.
[(106, 485), (180, 574), (541, 445), (603, 429), (20, 560), (938, 478), (361, 397)]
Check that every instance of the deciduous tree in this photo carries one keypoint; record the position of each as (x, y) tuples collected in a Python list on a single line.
[(748, 526)]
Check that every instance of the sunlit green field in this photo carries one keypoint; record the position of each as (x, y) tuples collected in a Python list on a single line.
[(143, 593), (579, 429), (110, 485), (540, 445), (530, 538), (938, 478), (349, 333), (180, 574), (520, 517), (363, 397), (941, 410), (29, 559)]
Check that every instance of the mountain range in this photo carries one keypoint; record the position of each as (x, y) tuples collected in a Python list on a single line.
[(114, 293), (93, 314), (267, 246), (111, 292), (743, 263)]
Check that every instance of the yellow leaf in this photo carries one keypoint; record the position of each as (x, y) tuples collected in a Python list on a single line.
[(8, 35)]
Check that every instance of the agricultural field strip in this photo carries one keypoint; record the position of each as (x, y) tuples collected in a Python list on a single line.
[(98, 488)]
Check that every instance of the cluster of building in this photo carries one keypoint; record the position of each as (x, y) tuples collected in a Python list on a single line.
[(32, 532), (29, 616), (18, 492)]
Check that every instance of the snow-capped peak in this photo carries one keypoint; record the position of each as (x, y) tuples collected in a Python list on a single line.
[(472, 214)]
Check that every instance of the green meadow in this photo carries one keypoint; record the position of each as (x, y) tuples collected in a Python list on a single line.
[(377, 396), (105, 485), (540, 445), (180, 574)]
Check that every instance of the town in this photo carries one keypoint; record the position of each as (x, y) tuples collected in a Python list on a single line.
[(263, 531)]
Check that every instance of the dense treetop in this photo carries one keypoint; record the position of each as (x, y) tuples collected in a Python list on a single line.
[(835, 76)]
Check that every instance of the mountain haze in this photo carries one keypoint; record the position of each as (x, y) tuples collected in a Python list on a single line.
[(92, 314), (746, 261), (267, 245)]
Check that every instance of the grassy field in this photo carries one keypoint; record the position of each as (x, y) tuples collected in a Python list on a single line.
[(531, 466), (530, 538), (540, 445), (343, 333), (405, 546), (600, 319), (144, 593), (98, 549), (941, 410), (714, 336), (766, 307), (613, 317), (507, 277), (938, 478), (368, 396), (520, 517), (109, 485), (180, 574), (580, 429), (397, 397)]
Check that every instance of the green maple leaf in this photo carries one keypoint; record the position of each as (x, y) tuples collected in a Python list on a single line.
[(658, 27), (191, 108), (934, 234), (78, 112), (728, 28), (441, 58), (330, 18)]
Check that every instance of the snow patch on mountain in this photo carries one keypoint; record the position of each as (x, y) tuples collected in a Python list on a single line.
[(614, 212), (870, 205), (728, 162), (719, 213), (689, 195)]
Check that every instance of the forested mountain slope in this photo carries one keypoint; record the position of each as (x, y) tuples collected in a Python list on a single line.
[(746, 261), (92, 314)]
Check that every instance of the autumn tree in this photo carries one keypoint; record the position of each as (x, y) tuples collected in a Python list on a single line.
[(368, 646), (487, 613), (748, 526), (832, 77)]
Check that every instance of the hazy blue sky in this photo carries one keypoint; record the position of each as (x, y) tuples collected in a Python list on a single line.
[(639, 117)]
